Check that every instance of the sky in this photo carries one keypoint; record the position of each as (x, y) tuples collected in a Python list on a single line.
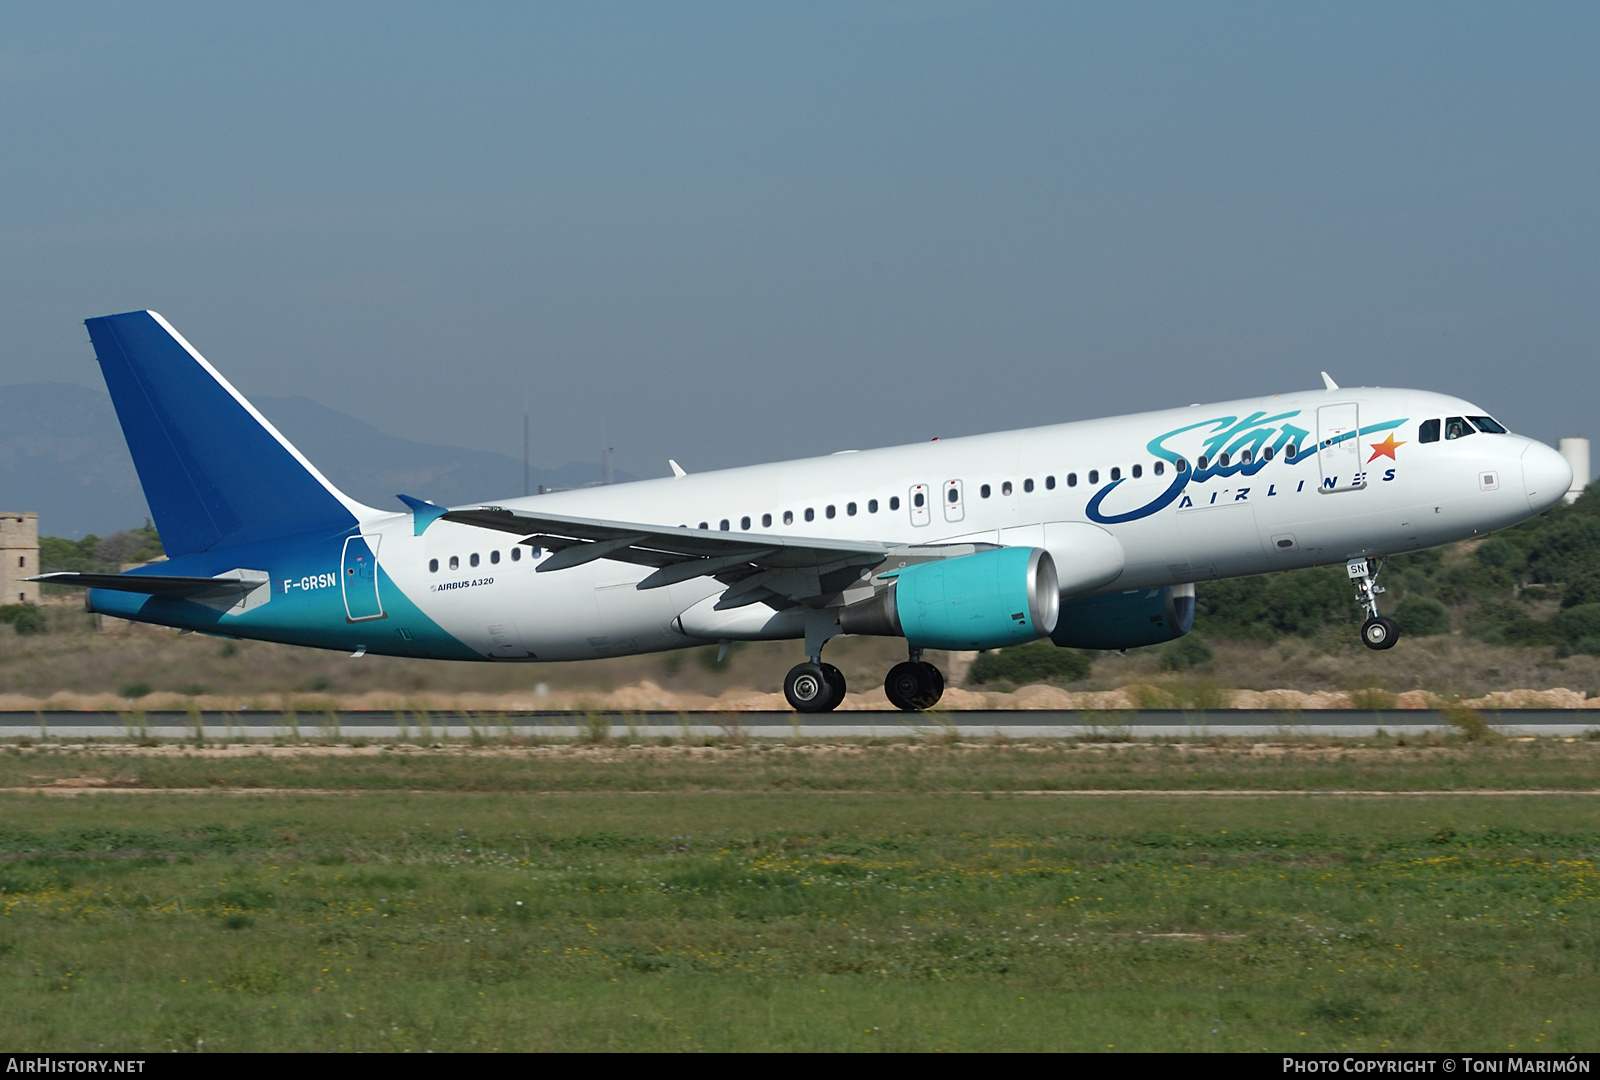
[(731, 233)]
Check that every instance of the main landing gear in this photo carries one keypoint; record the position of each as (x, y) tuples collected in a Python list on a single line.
[(914, 685), (815, 687), (1377, 632)]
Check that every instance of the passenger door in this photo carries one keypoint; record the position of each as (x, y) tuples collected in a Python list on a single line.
[(1339, 448)]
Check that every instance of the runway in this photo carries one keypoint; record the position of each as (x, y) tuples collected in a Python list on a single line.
[(1031, 724)]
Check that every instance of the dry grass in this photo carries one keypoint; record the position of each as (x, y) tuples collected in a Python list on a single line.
[(73, 657)]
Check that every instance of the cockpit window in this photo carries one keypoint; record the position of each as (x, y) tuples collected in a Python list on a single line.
[(1456, 427), (1429, 431), (1487, 424)]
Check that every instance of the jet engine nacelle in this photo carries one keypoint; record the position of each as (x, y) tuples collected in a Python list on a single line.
[(986, 600), (1126, 620)]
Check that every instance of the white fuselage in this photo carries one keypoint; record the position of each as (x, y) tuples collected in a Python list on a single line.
[(1380, 492)]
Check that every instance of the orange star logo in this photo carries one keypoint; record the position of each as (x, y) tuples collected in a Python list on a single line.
[(1386, 448)]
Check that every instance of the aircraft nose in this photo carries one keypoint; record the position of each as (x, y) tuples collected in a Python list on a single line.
[(1546, 476)]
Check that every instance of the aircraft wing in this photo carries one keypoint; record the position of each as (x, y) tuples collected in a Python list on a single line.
[(777, 570)]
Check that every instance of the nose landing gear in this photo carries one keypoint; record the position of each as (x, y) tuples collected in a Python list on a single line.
[(1377, 632)]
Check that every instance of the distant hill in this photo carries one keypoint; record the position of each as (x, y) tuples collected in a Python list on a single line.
[(62, 454)]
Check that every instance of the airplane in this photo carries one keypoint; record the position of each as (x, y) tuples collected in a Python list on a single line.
[(1090, 534)]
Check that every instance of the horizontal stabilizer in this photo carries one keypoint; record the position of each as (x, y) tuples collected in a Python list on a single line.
[(235, 592)]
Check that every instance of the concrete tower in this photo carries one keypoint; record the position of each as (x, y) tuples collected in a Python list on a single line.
[(19, 558), (1576, 451)]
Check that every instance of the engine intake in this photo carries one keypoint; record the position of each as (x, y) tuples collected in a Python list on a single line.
[(986, 600)]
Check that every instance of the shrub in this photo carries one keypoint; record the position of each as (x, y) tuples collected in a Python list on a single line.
[(1565, 549), (1269, 606), (25, 618), (1036, 662), (1579, 628), (1583, 589), (1419, 616), (1500, 622), (1188, 651)]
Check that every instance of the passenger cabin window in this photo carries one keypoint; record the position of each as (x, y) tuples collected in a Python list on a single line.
[(917, 500), (1094, 476), (1138, 471), (1456, 427), (872, 506), (1488, 425), (516, 554), (1429, 431), (1291, 452), (723, 525), (1072, 479), (1049, 483), (1266, 455), (474, 559), (1223, 460), (494, 558), (830, 512), (1202, 461), (1027, 485), (1160, 467), (1182, 465), (811, 515), (455, 563), (1116, 473), (433, 566), (766, 521), (984, 491), (954, 495), (744, 524), (788, 517), (850, 509), (1246, 457), (705, 525), (894, 502), (1005, 488)]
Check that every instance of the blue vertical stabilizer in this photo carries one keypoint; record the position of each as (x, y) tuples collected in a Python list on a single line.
[(213, 469)]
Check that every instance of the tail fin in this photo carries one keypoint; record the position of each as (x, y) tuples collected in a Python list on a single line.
[(212, 467)]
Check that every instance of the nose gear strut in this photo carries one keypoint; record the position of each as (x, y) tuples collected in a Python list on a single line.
[(1378, 632)]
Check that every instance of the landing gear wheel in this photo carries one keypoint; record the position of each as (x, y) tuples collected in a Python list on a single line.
[(1379, 633), (913, 686), (808, 688), (836, 684)]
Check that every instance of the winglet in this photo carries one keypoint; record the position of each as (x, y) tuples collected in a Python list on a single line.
[(677, 470), (423, 513), (1327, 381)]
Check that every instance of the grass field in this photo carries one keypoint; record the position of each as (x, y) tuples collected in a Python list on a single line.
[(752, 897)]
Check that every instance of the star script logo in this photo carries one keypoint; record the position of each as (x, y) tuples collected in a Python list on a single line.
[(1386, 448)]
